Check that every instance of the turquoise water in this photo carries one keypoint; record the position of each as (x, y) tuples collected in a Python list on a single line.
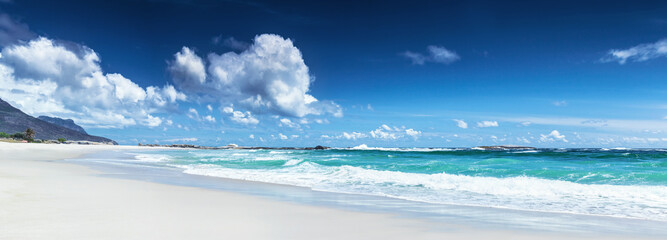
[(625, 183)]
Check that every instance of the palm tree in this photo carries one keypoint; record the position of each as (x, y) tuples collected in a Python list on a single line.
[(29, 133)]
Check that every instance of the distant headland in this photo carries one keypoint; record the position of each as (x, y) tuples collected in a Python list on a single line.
[(233, 146)]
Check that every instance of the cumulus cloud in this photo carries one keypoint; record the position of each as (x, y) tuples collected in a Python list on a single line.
[(383, 132), (282, 136), (435, 54), (269, 76), (484, 124), (209, 118), (392, 133), (193, 114), (187, 69), (288, 123), (43, 77), (639, 53), (413, 133), (460, 123), (553, 136), (353, 135), (240, 117)]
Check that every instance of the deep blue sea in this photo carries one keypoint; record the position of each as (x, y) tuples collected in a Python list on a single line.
[(621, 183)]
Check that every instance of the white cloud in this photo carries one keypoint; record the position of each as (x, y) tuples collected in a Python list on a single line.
[(288, 123), (151, 121), (484, 124), (436, 54), (282, 136), (269, 76), (553, 136), (388, 133), (181, 140), (383, 134), (442, 55), (210, 109), (193, 114), (618, 124), (209, 118), (187, 69), (460, 123), (252, 136), (354, 135), (43, 77), (639, 53), (413, 133), (416, 58), (240, 117)]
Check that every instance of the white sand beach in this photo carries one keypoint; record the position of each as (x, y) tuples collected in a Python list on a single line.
[(44, 198)]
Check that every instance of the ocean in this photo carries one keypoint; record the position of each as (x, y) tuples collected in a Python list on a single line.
[(610, 183)]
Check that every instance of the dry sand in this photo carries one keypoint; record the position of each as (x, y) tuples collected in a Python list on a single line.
[(43, 198)]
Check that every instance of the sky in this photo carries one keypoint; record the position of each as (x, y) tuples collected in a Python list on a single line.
[(343, 74)]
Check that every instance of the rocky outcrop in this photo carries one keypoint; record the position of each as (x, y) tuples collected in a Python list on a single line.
[(506, 147)]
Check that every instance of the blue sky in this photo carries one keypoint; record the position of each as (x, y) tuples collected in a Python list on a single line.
[(384, 73)]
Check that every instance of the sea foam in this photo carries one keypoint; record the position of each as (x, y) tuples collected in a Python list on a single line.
[(522, 193), (590, 182)]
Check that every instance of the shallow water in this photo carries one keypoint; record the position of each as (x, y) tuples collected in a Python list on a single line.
[(552, 188)]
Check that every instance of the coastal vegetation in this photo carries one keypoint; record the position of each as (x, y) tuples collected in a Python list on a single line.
[(27, 136), (49, 129)]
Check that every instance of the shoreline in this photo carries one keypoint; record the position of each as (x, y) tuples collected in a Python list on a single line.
[(478, 216), (46, 197)]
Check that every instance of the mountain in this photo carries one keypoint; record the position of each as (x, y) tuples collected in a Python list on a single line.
[(13, 120), (68, 123)]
